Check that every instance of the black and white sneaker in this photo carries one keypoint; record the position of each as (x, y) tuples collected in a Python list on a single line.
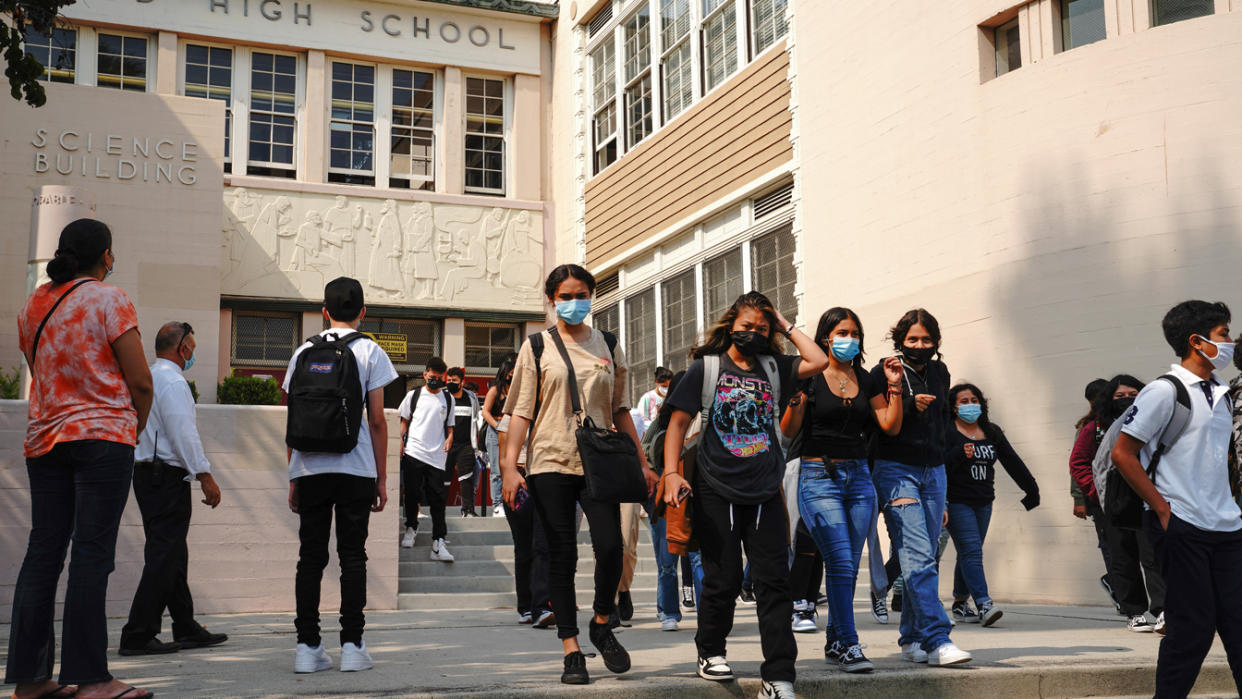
[(715, 668), (879, 609), (832, 652), (687, 597), (853, 660), (989, 614), (777, 690), (1140, 624), (615, 657), (575, 669), (964, 613), (747, 595)]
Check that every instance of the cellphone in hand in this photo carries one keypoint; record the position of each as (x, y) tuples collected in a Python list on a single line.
[(682, 494), (520, 499)]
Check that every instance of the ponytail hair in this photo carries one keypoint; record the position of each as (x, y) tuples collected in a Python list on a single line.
[(81, 247)]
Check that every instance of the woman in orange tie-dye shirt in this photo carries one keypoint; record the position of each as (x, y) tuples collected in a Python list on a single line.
[(89, 398)]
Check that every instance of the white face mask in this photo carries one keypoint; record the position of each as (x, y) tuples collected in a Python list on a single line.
[(660, 390), (1224, 354)]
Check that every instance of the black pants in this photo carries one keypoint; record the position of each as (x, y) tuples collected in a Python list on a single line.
[(1132, 561), (424, 481), (556, 495), (1204, 575), (723, 529), (461, 458), (530, 559), (806, 575), (165, 501), (1101, 537), (77, 492), (319, 496)]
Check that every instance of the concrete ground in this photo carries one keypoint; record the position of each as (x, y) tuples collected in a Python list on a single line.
[(1033, 651)]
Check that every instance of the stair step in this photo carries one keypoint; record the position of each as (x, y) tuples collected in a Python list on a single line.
[(466, 567), (483, 537), (498, 583), (504, 553), (490, 600)]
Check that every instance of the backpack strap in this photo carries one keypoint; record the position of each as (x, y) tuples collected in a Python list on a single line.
[(34, 345), (536, 350), (711, 376), (768, 363), (611, 339), (405, 438), (1178, 420)]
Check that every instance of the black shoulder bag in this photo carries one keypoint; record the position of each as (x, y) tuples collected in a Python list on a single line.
[(609, 458)]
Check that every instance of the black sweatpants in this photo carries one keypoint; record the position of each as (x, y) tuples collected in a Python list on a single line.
[(530, 559), (806, 575), (1096, 514), (461, 458), (165, 501), (723, 529), (556, 495), (1133, 561), (1203, 571), (319, 497), (424, 481)]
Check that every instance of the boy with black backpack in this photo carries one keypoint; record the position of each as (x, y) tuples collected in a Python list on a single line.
[(337, 465), (1192, 518)]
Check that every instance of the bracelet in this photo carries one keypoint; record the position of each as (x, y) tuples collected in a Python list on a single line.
[(789, 330)]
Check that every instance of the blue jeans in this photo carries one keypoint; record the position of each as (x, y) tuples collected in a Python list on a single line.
[(491, 442), (915, 528), (837, 503), (668, 596), (968, 525)]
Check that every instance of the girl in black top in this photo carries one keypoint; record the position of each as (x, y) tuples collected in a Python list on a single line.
[(974, 445)]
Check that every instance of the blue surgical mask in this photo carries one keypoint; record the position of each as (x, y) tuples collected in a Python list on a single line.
[(573, 311), (969, 412), (845, 348), (189, 363)]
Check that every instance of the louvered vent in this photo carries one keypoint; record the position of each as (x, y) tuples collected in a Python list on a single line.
[(607, 285), (773, 201), (600, 19)]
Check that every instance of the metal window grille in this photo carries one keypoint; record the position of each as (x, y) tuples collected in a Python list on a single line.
[(607, 319), (769, 22), (640, 340), (264, 339), (485, 135), (772, 269), (604, 86), (122, 62), (678, 82), (1169, 11), (351, 129), (209, 75), (600, 20), (413, 128), (680, 319), (1082, 22), (722, 284), (56, 52), (773, 201), (273, 111), (719, 41)]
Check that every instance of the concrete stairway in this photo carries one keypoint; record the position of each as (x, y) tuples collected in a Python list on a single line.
[(482, 575)]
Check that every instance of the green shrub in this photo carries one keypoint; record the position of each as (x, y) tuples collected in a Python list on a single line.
[(11, 383), (193, 390), (248, 390)]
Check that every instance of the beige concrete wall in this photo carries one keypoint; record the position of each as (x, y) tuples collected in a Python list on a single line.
[(1048, 217), (243, 554)]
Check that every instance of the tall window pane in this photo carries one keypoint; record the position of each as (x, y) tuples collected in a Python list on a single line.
[(639, 118), (638, 111), (637, 32), (413, 130), (678, 82), (722, 284), (640, 341), (1169, 11), (209, 74), (680, 319), (57, 53), (607, 319), (1082, 22), (122, 63), (1008, 48), (769, 22), (273, 114), (773, 272), (604, 101), (351, 130), (719, 41), (674, 21), (485, 135)]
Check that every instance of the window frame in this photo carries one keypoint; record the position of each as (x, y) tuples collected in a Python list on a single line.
[(506, 126), (46, 76), (388, 127), (296, 339), (149, 59), (1155, 14), (706, 19), (329, 120), (518, 337), (604, 113), (230, 107), (1061, 7), (644, 74), (1002, 30), (299, 103), (779, 19)]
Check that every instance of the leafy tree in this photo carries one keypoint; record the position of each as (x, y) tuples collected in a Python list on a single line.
[(23, 70)]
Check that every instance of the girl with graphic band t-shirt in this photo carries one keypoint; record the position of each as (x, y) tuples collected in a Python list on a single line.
[(736, 492)]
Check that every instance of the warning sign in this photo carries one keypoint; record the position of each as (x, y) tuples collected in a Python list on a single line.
[(393, 345)]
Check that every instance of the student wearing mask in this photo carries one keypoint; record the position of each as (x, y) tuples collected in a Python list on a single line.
[(493, 411), (838, 412), (973, 447), (465, 447), (1087, 507), (910, 484), (737, 489), (540, 405), (427, 421), (649, 405)]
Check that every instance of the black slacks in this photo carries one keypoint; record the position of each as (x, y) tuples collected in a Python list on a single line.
[(1136, 579), (530, 559), (349, 498)]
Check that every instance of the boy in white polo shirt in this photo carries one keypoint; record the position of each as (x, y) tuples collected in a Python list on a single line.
[(1193, 520), (427, 434)]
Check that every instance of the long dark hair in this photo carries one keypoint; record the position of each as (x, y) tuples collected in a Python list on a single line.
[(1103, 407), (829, 322), (718, 340), (507, 365), (985, 422), (918, 316), (1091, 392), (82, 245)]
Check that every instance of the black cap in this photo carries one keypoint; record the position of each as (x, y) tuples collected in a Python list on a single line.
[(343, 298)]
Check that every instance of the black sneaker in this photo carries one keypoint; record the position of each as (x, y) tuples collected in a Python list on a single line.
[(853, 660), (962, 612), (896, 605), (575, 669), (879, 609), (625, 605), (615, 657), (154, 647), (201, 638), (687, 597), (747, 596)]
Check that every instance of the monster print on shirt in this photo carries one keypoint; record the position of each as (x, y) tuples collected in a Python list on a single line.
[(742, 414)]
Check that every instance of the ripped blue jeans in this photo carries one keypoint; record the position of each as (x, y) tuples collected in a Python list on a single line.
[(915, 529)]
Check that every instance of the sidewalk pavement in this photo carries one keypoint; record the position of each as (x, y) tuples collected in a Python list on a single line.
[(1043, 651)]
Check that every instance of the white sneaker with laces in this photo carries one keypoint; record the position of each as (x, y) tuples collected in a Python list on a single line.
[(1139, 624), (913, 653), (1159, 627), (668, 624), (440, 552), (804, 617), (948, 654), (715, 668), (407, 541), (777, 690), (310, 659), (355, 658)]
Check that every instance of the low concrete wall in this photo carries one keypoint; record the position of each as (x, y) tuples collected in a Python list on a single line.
[(244, 552)]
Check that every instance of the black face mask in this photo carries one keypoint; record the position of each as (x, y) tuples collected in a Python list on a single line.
[(1121, 405), (453, 386), (749, 342), (435, 384), (918, 355)]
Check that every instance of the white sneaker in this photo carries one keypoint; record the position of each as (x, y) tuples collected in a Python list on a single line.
[(947, 654), (355, 658), (1139, 624), (668, 624), (715, 668), (311, 659), (804, 617), (498, 511), (407, 541), (913, 653), (1159, 627), (777, 690), (440, 552)]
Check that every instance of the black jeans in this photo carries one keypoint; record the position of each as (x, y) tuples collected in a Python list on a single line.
[(165, 501), (556, 495), (806, 575), (1101, 537), (530, 559), (424, 481), (461, 458), (723, 529), (77, 491), (1133, 560), (318, 497), (1203, 571)]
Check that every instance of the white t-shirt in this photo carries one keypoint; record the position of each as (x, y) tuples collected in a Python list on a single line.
[(375, 370), (1193, 474), (427, 426)]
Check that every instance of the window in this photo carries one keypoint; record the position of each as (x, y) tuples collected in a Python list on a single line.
[(675, 65), (273, 120), (1008, 48), (608, 319), (56, 52), (638, 107), (485, 135), (1082, 22), (722, 284), (604, 103), (264, 339), (413, 130), (1170, 11), (487, 345), (772, 270), (769, 22), (351, 129), (719, 41), (209, 74), (680, 319), (422, 340), (640, 344), (122, 62)]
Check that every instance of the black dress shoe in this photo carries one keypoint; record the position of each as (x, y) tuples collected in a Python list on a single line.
[(625, 605), (201, 639), (152, 647)]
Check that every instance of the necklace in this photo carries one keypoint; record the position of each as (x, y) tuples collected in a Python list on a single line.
[(843, 381)]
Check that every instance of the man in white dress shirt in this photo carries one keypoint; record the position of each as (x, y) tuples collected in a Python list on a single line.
[(168, 457)]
